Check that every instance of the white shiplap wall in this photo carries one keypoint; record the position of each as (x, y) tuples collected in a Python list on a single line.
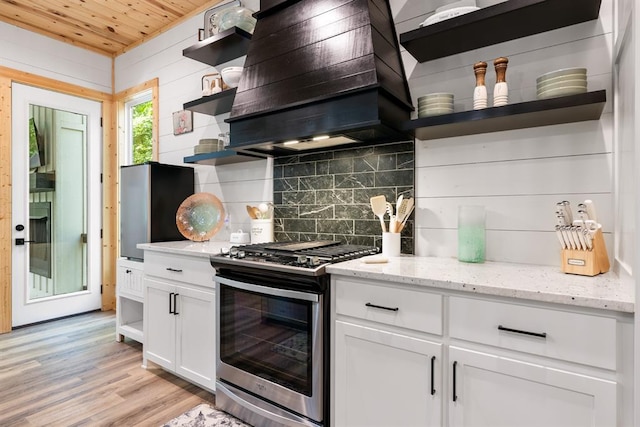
[(517, 175), (32, 53), (180, 81)]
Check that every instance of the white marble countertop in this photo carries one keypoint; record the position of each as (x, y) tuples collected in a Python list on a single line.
[(531, 282), (186, 247)]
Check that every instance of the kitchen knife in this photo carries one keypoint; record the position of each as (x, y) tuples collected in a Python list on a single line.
[(591, 210)]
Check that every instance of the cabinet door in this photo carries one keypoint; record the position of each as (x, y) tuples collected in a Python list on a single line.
[(196, 339), (385, 379), (159, 323), (496, 391)]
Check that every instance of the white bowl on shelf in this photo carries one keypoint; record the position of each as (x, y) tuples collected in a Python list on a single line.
[(561, 73), (231, 75), (563, 91), (560, 85)]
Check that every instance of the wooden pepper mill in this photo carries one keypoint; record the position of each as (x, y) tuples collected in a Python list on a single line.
[(480, 91), (500, 91)]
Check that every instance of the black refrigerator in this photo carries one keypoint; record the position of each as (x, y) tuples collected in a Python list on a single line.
[(150, 195)]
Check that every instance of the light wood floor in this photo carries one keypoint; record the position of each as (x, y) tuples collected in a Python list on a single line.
[(72, 372)]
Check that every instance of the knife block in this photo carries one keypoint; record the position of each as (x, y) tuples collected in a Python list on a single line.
[(587, 263)]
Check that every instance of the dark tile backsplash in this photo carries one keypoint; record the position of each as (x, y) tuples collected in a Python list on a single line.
[(326, 195)]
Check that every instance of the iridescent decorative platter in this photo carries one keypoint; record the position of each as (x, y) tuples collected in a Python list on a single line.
[(200, 216)]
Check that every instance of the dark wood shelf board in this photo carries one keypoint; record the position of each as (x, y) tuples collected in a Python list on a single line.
[(213, 105), (223, 47), (218, 158), (499, 23), (544, 112)]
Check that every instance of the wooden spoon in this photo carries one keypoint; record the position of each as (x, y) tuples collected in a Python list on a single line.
[(251, 212), (379, 207)]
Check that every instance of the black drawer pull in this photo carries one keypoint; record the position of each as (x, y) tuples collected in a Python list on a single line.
[(382, 307), (175, 270), (455, 395), (517, 331), (127, 271), (433, 366)]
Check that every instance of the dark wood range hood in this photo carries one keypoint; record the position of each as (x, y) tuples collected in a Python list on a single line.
[(320, 68)]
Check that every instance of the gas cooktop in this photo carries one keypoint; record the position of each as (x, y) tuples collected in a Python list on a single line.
[(307, 258)]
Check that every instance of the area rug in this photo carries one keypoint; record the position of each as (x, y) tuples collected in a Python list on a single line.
[(205, 415)]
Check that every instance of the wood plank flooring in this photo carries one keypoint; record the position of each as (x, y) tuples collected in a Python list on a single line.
[(72, 372)]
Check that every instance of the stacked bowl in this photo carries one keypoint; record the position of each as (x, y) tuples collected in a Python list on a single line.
[(434, 104), (567, 81)]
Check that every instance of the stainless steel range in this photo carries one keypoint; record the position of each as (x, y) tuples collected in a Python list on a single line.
[(273, 330)]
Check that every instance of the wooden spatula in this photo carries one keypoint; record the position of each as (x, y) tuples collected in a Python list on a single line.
[(379, 207)]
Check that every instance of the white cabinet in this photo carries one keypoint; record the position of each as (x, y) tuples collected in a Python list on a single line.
[(418, 356), (385, 379), (386, 370), (490, 390), (180, 316), (129, 300), (518, 388)]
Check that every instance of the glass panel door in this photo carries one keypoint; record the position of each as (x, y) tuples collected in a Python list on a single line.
[(56, 205)]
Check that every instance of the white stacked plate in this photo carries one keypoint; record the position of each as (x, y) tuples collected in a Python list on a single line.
[(206, 146), (448, 14), (567, 81), (434, 104)]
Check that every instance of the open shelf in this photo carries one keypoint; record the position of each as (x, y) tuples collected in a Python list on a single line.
[(499, 23), (223, 47), (544, 112), (133, 331), (213, 105), (217, 158)]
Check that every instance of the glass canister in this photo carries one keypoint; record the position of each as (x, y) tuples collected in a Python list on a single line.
[(471, 233), (239, 16)]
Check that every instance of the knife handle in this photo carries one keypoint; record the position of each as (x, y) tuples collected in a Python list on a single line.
[(591, 210), (563, 244)]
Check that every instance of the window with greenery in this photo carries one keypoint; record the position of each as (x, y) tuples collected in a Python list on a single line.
[(136, 120), (141, 132)]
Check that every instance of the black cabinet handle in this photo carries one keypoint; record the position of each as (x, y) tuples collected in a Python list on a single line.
[(127, 271), (455, 397), (175, 270), (518, 331), (433, 365), (175, 304), (382, 307), (170, 306)]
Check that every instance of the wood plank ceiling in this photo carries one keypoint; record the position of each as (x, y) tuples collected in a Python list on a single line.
[(109, 27)]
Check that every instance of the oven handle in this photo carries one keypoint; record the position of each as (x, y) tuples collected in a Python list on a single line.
[(286, 293)]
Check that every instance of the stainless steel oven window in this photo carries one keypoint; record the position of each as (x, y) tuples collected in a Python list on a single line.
[(270, 344)]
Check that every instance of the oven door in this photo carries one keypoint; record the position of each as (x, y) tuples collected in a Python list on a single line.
[(270, 344)]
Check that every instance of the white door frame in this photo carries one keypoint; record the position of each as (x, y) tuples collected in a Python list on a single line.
[(23, 310)]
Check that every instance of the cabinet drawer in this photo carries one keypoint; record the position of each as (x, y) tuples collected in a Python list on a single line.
[(558, 334), (194, 270), (392, 306), (129, 278)]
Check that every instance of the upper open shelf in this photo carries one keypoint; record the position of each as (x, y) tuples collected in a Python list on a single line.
[(213, 105), (223, 47), (499, 23), (544, 112)]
